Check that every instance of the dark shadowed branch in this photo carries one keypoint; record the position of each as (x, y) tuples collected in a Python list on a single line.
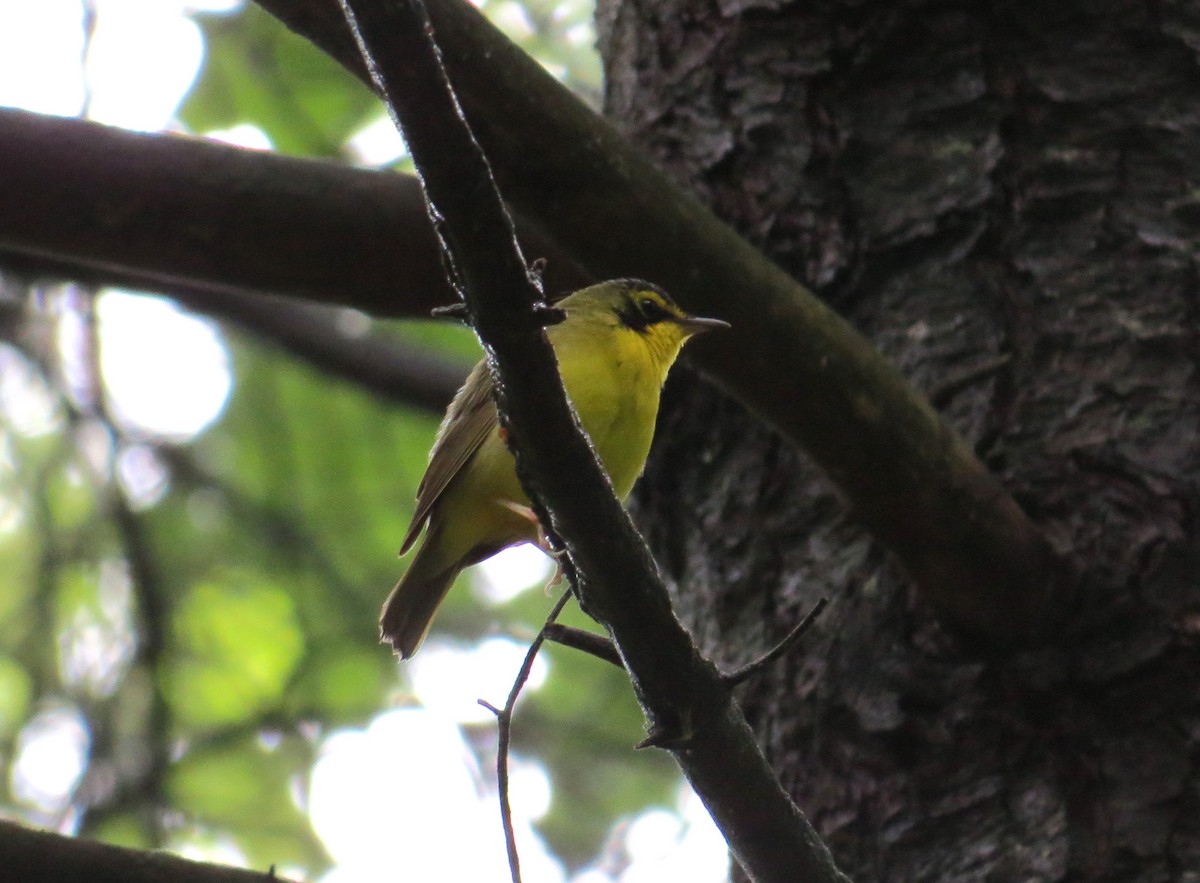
[(27, 855), (586, 642), (101, 199), (743, 674), (690, 710), (604, 649), (182, 215)]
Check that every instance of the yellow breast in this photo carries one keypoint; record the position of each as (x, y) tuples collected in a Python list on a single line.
[(613, 377), (613, 380)]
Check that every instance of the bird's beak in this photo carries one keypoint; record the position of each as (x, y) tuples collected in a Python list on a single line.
[(697, 325)]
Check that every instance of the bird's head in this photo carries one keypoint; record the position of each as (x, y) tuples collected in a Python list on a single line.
[(643, 309)]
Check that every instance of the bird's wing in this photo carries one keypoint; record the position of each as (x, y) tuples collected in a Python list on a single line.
[(469, 419)]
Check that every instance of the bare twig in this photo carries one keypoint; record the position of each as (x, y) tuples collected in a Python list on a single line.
[(588, 642), (945, 392), (504, 735), (746, 672), (458, 312)]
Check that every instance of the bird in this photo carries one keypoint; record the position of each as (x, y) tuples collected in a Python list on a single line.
[(614, 348)]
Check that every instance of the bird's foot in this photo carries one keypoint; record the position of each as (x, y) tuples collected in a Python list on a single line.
[(540, 540)]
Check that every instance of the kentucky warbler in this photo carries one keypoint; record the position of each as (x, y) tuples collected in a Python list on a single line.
[(614, 349)]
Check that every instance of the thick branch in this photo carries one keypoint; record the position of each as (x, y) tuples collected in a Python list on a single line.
[(915, 482), (690, 709), (186, 216), (40, 857)]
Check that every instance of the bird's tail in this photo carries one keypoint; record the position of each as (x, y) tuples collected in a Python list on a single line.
[(409, 609)]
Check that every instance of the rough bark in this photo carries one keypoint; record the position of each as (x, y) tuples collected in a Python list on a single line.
[(1002, 196)]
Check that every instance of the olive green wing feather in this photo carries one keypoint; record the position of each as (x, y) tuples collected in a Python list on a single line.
[(469, 419)]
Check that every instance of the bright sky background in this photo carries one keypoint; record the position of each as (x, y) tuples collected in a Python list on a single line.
[(168, 376)]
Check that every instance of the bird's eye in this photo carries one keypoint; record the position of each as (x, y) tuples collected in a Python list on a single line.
[(652, 309), (639, 310)]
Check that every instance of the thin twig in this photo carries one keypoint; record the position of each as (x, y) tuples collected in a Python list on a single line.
[(458, 312), (734, 678), (588, 642), (941, 396), (504, 735)]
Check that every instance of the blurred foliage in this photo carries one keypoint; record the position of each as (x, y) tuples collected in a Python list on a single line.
[(210, 631), (261, 74)]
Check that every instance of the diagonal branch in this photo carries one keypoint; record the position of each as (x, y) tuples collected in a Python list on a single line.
[(690, 710), (914, 481)]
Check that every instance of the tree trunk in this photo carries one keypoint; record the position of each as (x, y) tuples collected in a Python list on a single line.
[(1003, 196)]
